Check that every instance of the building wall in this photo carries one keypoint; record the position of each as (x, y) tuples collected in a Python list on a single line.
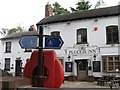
[(68, 31), (96, 41), (96, 44), (1, 64), (16, 53)]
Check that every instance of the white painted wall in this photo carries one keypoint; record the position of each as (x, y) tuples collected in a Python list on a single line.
[(1, 64), (16, 52), (68, 34), (68, 31), (95, 38)]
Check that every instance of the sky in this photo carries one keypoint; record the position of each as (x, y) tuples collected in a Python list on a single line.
[(28, 12)]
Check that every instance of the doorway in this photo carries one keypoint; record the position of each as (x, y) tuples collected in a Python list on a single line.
[(7, 64), (18, 68), (82, 70)]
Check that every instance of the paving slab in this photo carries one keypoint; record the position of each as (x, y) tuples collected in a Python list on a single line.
[(77, 85), (84, 84), (12, 83)]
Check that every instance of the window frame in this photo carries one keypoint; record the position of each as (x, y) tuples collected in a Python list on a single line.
[(82, 32), (111, 63), (7, 64), (111, 36), (8, 47), (55, 33)]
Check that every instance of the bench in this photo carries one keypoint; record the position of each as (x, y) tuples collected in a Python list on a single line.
[(105, 79), (101, 82), (114, 82)]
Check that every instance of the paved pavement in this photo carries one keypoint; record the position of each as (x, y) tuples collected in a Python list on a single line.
[(81, 84), (77, 85)]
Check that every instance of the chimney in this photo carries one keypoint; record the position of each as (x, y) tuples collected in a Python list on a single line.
[(32, 28), (48, 10)]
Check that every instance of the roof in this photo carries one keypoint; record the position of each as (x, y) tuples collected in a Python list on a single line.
[(85, 14), (19, 34)]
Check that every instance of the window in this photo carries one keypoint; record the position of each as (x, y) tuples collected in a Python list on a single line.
[(55, 33), (68, 66), (7, 64), (111, 63), (82, 65), (112, 35), (8, 47), (28, 50), (82, 36), (61, 59), (96, 66)]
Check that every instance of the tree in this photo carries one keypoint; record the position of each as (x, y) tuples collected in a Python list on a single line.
[(57, 9), (17, 29), (6, 31), (81, 5)]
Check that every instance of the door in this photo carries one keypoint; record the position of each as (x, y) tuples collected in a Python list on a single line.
[(7, 64), (18, 68), (82, 70)]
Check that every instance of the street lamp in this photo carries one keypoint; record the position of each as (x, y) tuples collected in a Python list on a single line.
[(69, 58), (94, 57)]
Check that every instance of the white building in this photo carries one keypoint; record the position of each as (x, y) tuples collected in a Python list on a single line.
[(91, 43), (13, 57)]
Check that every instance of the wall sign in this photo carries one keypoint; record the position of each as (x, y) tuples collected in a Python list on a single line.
[(83, 50), (95, 28), (96, 66)]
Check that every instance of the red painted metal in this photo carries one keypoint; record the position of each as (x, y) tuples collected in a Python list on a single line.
[(53, 69)]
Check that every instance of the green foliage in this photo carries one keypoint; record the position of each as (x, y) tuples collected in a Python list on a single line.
[(81, 5), (6, 31), (57, 9), (17, 29)]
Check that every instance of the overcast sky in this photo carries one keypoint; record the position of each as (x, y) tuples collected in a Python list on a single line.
[(28, 12)]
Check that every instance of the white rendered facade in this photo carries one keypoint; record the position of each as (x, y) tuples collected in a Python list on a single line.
[(94, 51), (96, 42)]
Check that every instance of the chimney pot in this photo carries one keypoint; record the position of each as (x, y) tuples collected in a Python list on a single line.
[(48, 10)]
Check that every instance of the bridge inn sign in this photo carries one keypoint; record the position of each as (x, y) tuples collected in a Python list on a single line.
[(83, 50)]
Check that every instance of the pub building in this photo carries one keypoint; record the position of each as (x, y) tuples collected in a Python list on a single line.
[(91, 43)]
